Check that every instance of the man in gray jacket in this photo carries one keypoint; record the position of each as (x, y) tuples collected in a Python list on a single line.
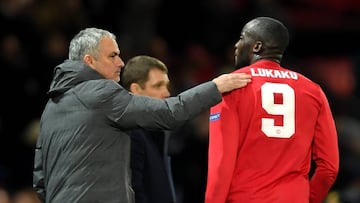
[(83, 150)]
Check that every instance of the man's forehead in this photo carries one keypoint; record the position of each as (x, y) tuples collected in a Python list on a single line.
[(107, 41), (109, 46)]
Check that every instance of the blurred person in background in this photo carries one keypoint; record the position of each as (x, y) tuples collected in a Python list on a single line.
[(150, 163), (261, 148)]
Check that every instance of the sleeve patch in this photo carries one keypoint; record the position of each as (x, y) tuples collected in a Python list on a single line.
[(214, 117)]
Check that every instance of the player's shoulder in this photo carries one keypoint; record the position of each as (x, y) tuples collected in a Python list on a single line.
[(305, 79)]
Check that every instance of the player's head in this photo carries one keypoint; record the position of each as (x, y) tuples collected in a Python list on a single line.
[(145, 75), (261, 38)]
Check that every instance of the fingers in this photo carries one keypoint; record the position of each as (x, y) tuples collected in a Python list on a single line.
[(241, 75), (242, 80), (228, 82)]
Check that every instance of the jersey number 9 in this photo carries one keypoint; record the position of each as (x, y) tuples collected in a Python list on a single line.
[(286, 109)]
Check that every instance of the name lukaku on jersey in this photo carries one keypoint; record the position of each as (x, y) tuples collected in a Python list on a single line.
[(262, 72)]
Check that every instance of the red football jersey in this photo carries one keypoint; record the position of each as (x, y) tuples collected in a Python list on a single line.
[(264, 136)]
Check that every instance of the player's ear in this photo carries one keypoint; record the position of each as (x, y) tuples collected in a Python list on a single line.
[(135, 88), (257, 46)]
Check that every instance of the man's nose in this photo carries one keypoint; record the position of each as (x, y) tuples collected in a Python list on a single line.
[(166, 93), (119, 62)]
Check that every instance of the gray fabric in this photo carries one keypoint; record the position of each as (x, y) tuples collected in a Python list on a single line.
[(83, 150)]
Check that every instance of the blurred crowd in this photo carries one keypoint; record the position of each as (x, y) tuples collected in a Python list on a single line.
[(195, 39)]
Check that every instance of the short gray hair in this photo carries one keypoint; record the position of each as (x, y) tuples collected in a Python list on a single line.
[(86, 42)]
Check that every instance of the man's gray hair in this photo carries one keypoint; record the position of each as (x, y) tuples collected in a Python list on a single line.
[(86, 42)]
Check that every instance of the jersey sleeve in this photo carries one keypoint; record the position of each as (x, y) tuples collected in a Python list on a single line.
[(325, 153), (223, 144)]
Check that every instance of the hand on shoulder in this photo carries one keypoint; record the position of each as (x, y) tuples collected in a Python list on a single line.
[(231, 81)]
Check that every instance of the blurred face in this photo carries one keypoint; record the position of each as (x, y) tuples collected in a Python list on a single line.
[(108, 63), (157, 86), (243, 51)]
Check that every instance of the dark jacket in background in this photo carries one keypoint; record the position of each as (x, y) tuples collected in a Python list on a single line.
[(151, 170), (83, 150)]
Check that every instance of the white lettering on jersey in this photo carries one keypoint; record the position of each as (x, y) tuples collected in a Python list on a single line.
[(262, 72)]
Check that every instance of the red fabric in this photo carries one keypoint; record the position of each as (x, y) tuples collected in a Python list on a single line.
[(248, 164)]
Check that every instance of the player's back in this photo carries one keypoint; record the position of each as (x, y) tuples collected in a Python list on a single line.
[(278, 113)]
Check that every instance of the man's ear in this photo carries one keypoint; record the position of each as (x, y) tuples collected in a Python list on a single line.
[(257, 47), (88, 60), (135, 88)]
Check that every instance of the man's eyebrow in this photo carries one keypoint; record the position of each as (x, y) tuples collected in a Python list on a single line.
[(115, 53)]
